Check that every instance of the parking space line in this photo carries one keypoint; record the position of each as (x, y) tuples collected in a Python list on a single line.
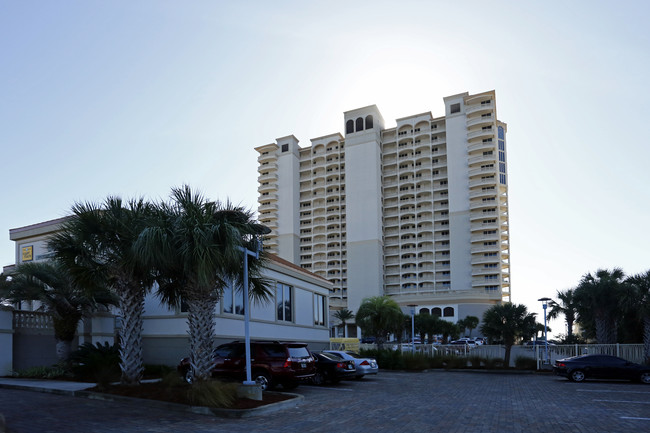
[(609, 391), (623, 401), (328, 388), (635, 417)]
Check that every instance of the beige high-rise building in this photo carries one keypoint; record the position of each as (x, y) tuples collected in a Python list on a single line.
[(418, 212)]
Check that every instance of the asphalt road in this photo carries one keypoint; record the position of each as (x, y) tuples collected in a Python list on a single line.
[(390, 402)]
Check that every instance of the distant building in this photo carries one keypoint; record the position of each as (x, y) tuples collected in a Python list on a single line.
[(418, 212)]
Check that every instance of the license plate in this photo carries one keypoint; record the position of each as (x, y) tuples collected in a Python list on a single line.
[(303, 365)]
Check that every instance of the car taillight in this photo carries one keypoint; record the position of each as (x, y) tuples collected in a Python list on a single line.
[(365, 363), (560, 364), (340, 365), (287, 363)]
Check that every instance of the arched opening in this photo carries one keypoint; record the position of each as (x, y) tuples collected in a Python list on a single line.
[(436, 311), (424, 311), (349, 126), (369, 121), (448, 312), (359, 125)]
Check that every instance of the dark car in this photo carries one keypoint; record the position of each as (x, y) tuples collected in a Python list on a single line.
[(272, 363), (579, 368), (332, 368)]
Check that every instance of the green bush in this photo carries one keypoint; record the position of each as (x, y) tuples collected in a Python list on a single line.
[(525, 363), (212, 393), (155, 371), (476, 361), (415, 361), (53, 372), (99, 363)]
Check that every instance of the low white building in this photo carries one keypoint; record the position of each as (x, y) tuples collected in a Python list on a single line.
[(296, 310)]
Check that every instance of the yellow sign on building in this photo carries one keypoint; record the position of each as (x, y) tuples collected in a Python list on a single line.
[(28, 253)]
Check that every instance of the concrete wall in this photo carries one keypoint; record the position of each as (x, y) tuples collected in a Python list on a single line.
[(6, 342)]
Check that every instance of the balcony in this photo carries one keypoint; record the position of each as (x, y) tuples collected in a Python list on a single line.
[(475, 147), (482, 182), (473, 216), (477, 108), (483, 158), (484, 249), (480, 120), (481, 133)]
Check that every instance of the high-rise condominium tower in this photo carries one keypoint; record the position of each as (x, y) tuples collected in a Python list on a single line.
[(418, 211)]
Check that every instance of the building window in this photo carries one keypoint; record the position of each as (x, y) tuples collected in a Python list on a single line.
[(319, 310), (454, 108), (232, 300), (349, 126), (284, 302), (436, 311), (285, 147), (369, 121), (448, 312), (359, 124)]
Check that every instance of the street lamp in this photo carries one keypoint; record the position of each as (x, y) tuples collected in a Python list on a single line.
[(545, 301), (262, 230), (412, 327)]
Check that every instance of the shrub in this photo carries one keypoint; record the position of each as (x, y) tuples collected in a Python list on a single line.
[(99, 363), (53, 372), (525, 363), (476, 361), (415, 361), (212, 393), (155, 370), (493, 363)]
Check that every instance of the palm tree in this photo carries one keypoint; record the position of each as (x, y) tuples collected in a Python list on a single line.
[(507, 322), (378, 316), (471, 322), (639, 297), (568, 307), (195, 245), (97, 246), (51, 285), (344, 315), (599, 295)]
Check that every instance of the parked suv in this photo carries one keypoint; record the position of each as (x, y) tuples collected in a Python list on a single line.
[(272, 363)]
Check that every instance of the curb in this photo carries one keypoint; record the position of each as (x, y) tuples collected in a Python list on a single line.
[(200, 410)]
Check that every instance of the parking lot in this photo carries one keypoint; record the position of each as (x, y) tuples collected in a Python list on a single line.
[(391, 401)]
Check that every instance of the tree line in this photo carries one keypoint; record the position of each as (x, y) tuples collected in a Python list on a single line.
[(187, 249)]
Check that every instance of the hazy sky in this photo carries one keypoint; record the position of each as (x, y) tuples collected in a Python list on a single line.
[(133, 97)]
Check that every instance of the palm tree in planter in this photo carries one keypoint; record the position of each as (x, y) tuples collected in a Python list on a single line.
[(507, 322), (566, 306), (344, 315), (97, 247), (194, 244), (471, 322), (599, 296), (50, 284)]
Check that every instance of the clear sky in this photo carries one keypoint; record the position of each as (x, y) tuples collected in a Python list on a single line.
[(133, 97)]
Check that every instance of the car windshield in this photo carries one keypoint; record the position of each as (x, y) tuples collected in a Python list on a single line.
[(354, 355)]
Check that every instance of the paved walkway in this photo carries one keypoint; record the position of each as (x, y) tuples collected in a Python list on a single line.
[(448, 402)]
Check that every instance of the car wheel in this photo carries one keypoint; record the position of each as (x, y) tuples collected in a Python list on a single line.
[(577, 376), (188, 376), (645, 377), (263, 379), (318, 378)]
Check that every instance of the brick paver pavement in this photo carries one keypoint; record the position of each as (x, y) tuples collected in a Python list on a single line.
[(392, 401)]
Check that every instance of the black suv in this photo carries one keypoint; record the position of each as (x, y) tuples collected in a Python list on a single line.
[(272, 363)]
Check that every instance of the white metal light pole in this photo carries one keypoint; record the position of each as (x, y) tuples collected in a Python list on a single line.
[(545, 301), (412, 328), (247, 339)]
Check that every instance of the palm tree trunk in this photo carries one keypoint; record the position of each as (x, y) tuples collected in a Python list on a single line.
[(201, 324), (63, 350), (131, 360), (646, 337)]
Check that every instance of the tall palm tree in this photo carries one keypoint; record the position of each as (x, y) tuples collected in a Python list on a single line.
[(507, 322), (599, 295), (97, 245), (567, 307), (344, 315), (471, 322), (378, 316), (639, 297), (195, 245), (51, 285)]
